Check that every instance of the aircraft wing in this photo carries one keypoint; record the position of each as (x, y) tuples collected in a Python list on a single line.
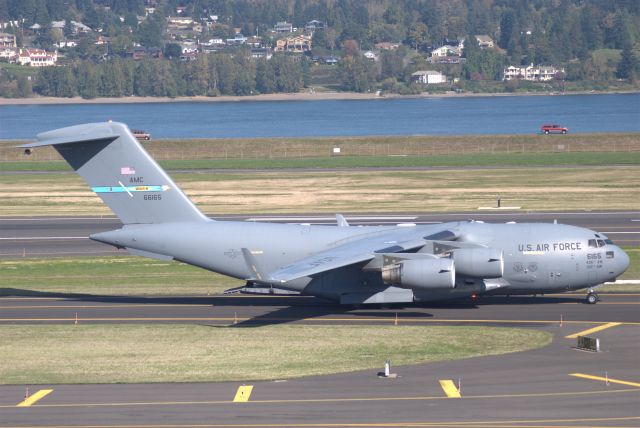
[(359, 251)]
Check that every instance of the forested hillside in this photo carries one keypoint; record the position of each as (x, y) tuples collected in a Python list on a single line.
[(242, 47)]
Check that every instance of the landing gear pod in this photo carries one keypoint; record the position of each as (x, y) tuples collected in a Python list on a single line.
[(483, 263), (424, 274)]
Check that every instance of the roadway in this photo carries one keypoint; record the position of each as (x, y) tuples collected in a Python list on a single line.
[(68, 236), (552, 386)]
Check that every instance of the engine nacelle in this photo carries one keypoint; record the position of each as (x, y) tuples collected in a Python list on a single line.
[(479, 262), (423, 274)]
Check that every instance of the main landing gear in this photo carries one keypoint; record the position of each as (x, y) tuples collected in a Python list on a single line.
[(592, 298)]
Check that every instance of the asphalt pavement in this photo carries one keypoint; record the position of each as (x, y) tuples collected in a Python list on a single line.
[(553, 386)]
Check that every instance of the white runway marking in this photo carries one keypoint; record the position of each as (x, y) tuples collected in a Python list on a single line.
[(42, 238), (354, 218)]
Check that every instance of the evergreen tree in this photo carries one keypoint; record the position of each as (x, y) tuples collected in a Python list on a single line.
[(356, 74), (265, 77), (628, 65)]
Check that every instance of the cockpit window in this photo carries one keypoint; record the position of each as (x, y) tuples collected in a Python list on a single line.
[(600, 243), (608, 241), (596, 243)]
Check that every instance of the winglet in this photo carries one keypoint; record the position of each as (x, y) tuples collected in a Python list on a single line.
[(342, 222), (258, 274)]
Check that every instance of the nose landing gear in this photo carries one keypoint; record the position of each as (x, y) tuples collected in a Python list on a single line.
[(592, 298)]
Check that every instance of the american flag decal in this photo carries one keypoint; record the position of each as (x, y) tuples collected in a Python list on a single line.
[(127, 170)]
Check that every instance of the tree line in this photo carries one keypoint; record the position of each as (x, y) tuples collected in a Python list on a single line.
[(208, 75)]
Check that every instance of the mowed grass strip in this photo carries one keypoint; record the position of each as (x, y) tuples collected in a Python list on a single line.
[(115, 276), (399, 161), (592, 188), (40, 354)]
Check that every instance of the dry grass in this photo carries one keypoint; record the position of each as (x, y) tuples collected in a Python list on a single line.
[(282, 148), (592, 188), (187, 353)]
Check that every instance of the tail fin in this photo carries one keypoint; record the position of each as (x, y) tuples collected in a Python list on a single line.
[(121, 172)]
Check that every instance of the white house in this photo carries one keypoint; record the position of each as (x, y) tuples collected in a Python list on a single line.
[(428, 77), (446, 50), (484, 41), (283, 27), (237, 40), (541, 73), (37, 57), (370, 55), (7, 40), (8, 54)]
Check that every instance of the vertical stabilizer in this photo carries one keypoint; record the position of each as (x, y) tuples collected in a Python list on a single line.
[(121, 172)]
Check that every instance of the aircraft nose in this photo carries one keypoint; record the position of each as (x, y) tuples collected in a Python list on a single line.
[(622, 261)]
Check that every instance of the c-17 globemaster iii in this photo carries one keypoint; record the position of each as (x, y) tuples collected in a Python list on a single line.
[(348, 264)]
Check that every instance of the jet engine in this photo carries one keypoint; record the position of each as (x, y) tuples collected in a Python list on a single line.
[(424, 274), (479, 262)]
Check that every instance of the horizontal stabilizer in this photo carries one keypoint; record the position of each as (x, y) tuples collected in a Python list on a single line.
[(84, 134)]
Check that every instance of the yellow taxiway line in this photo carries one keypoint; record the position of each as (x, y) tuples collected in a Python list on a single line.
[(32, 399), (339, 400), (450, 389), (243, 394), (539, 423), (593, 330), (353, 320), (605, 379)]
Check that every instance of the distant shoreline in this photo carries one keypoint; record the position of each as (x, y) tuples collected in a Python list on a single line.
[(299, 96)]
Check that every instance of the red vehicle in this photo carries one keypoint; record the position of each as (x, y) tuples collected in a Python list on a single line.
[(141, 135), (554, 129)]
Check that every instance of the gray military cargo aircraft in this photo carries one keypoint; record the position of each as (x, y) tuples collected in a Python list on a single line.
[(348, 264)]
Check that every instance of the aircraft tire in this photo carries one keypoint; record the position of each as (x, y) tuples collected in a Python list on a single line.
[(592, 298)]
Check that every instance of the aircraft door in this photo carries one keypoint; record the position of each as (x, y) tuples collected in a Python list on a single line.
[(559, 275)]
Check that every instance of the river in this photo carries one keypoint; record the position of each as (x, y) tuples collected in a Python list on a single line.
[(396, 116)]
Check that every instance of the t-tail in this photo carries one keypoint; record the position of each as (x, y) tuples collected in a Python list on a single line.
[(121, 172)]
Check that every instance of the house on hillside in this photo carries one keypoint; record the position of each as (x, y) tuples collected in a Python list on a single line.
[(238, 39), (484, 41), (428, 77), (540, 73), (8, 54), (258, 53), (314, 25), (370, 55), (7, 40), (181, 22), (295, 44), (37, 57), (387, 46), (283, 27), (137, 53)]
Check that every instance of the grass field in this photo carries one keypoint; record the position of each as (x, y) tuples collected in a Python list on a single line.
[(442, 190), (400, 161), (129, 275), (118, 275), (189, 353), (367, 146)]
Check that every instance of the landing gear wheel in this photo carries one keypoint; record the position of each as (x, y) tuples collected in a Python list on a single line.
[(592, 298)]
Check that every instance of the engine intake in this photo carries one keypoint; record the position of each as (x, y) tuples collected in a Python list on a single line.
[(422, 274), (479, 262)]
